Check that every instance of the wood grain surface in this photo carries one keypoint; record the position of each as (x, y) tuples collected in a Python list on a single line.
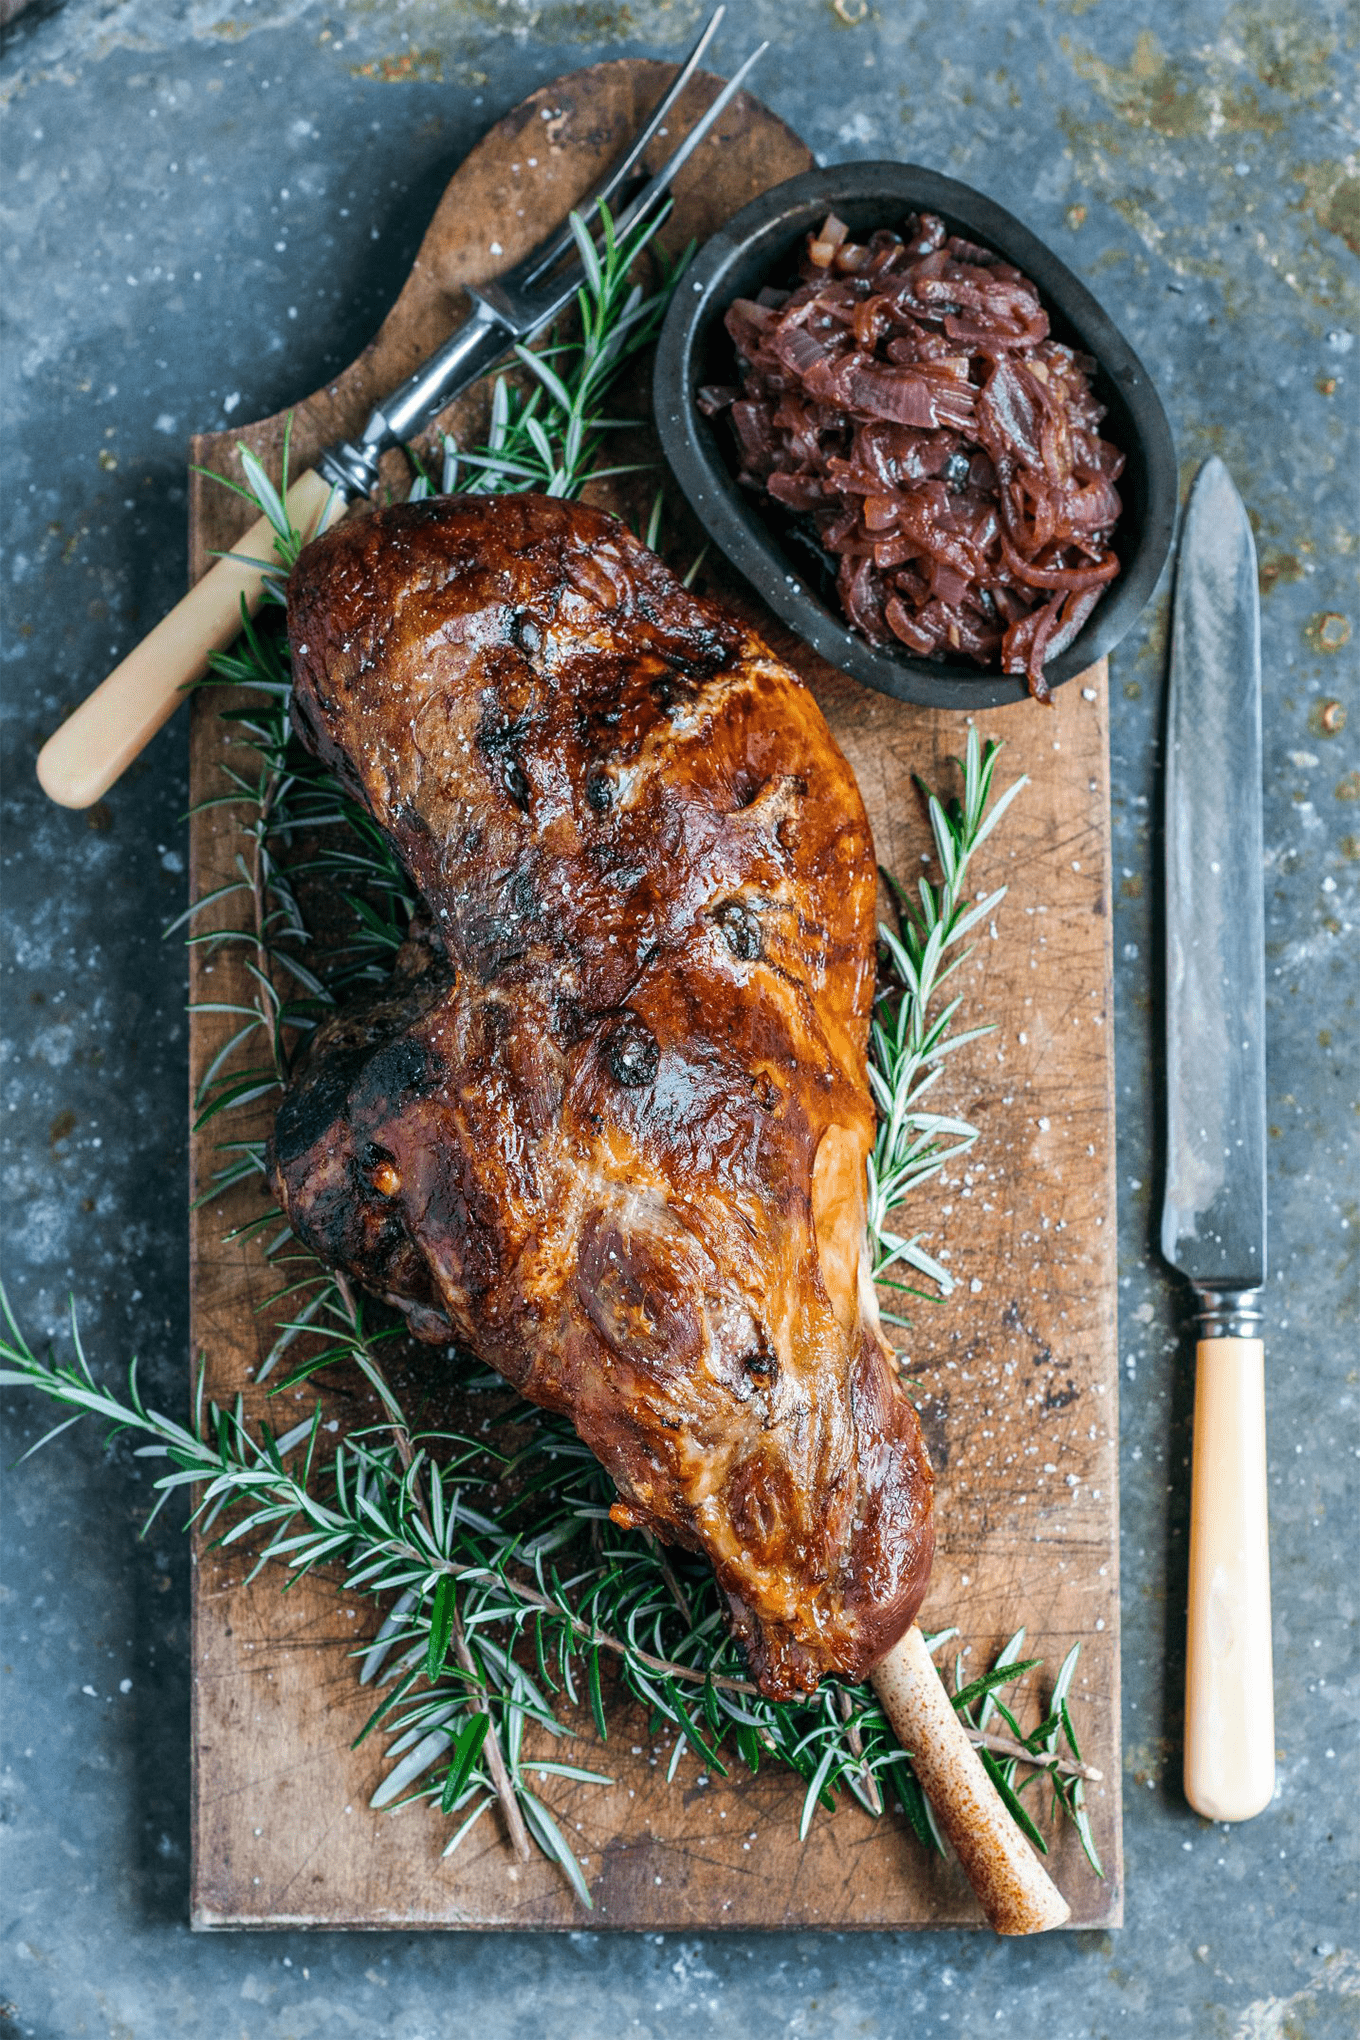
[(1016, 1373)]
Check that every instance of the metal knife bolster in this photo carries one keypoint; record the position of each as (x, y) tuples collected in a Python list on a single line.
[(1228, 1313), (489, 332)]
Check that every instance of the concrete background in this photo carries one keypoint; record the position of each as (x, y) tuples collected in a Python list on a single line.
[(202, 216)]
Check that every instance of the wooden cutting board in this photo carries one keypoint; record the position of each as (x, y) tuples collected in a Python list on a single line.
[(1017, 1371)]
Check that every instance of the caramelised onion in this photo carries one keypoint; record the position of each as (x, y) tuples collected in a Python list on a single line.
[(906, 403)]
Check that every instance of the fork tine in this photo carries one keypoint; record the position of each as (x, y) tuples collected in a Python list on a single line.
[(653, 193), (542, 260)]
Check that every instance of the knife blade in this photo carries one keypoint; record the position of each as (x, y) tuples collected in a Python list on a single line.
[(1214, 1207), (1214, 1210)]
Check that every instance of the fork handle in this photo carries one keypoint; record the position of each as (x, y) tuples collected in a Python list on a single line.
[(98, 742), (489, 331), (1229, 1697)]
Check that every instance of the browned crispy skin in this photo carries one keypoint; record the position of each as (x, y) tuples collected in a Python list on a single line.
[(608, 1125)]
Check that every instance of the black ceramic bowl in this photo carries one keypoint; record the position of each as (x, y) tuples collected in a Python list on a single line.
[(760, 245)]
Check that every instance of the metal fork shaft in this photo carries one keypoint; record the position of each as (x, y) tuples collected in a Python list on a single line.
[(474, 347)]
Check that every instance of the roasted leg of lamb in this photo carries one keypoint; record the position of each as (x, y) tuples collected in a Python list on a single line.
[(607, 1127)]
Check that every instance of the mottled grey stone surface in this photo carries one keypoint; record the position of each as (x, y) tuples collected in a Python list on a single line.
[(202, 216)]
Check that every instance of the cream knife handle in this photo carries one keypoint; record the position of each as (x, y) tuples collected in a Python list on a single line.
[(1229, 1694), (100, 740)]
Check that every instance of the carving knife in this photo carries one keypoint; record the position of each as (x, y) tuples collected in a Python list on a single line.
[(1214, 1209)]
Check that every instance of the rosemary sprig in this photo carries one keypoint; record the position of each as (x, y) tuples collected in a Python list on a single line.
[(512, 1602), (548, 431), (527, 1599), (911, 1036)]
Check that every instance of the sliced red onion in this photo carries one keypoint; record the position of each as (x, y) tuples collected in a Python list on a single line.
[(907, 399)]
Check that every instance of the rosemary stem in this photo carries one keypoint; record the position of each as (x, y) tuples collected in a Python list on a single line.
[(1005, 1746), (668, 1574), (491, 1749), (867, 1780), (259, 891)]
